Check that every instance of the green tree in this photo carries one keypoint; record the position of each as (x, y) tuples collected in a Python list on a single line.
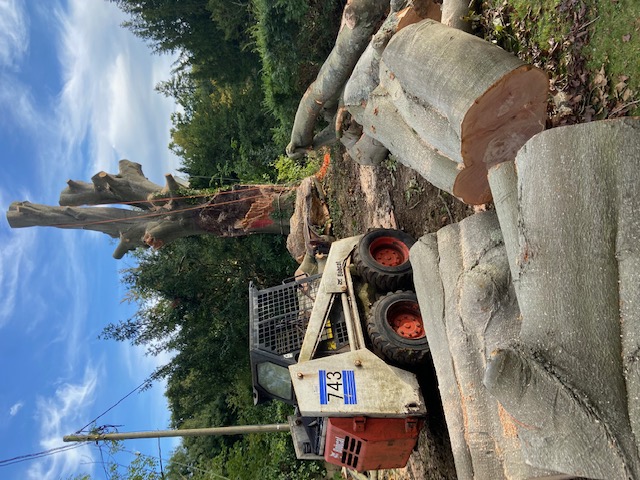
[(142, 467), (223, 132), (208, 34)]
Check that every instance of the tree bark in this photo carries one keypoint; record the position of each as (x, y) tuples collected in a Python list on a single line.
[(359, 19), (455, 14), (550, 384), (365, 78), (571, 380), (164, 214), (470, 102), (462, 280)]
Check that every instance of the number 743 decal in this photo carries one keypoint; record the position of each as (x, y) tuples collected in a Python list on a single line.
[(337, 386)]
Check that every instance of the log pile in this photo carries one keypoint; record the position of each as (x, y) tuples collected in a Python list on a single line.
[(446, 104)]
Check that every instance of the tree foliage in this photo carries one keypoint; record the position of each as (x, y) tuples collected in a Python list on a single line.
[(193, 303), (221, 133), (283, 33), (207, 34)]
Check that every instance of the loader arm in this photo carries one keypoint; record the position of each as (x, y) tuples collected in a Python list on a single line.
[(336, 284)]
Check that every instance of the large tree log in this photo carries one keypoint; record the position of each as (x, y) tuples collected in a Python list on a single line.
[(549, 385), (469, 102), (462, 280), (164, 214), (365, 78), (572, 380)]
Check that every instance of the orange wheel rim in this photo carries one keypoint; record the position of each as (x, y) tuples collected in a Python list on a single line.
[(405, 319), (389, 252)]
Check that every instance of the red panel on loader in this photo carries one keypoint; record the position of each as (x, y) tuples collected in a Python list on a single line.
[(363, 443)]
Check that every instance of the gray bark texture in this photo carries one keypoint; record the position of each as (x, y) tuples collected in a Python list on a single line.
[(534, 321), (455, 14), (447, 104), (162, 215), (462, 280), (571, 379), (359, 19), (467, 102)]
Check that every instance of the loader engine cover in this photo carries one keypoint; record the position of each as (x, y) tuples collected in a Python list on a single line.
[(363, 443)]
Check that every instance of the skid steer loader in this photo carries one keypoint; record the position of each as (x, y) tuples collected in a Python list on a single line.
[(356, 403)]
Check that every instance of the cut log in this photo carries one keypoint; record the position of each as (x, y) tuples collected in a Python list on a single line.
[(572, 378), (309, 222), (461, 276), (365, 78), (466, 99), (360, 17)]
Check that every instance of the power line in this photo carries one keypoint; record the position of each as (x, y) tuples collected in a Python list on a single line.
[(33, 456), (92, 422), (53, 451)]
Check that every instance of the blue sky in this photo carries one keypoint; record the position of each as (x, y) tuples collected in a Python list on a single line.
[(76, 95)]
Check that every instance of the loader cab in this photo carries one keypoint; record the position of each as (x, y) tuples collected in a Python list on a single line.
[(278, 319), (271, 379)]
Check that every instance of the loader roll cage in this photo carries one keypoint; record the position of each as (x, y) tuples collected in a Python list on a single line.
[(279, 317)]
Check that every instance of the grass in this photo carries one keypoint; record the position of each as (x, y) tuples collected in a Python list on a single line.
[(589, 48), (615, 42)]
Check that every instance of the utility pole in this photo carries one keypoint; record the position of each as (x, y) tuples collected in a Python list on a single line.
[(187, 432)]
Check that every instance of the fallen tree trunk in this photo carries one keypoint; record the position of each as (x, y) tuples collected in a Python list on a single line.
[(461, 277), (359, 19), (548, 385), (467, 101), (365, 78)]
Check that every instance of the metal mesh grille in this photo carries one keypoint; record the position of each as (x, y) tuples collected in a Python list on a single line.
[(280, 316)]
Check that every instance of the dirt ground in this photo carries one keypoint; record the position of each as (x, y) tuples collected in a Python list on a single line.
[(391, 195)]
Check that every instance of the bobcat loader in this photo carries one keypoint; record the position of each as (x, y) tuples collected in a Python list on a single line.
[(357, 406)]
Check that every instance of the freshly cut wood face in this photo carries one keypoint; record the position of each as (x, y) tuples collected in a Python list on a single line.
[(465, 98), (497, 125)]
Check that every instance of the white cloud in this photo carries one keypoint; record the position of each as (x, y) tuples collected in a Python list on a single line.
[(15, 408), (108, 99), (14, 32), (16, 265), (17, 104), (59, 415)]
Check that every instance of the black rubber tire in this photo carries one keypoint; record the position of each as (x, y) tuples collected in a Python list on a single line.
[(385, 277), (397, 349)]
